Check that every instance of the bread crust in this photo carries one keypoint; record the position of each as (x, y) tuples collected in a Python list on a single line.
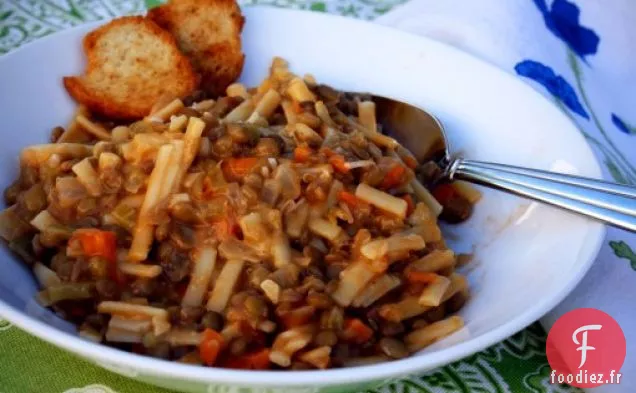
[(209, 33), (131, 63)]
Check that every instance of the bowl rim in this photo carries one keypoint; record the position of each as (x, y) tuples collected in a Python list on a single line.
[(330, 377)]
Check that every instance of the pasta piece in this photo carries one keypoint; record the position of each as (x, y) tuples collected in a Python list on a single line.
[(87, 175), (253, 228), (434, 262), (164, 113), (144, 147), (280, 69), (325, 229), (94, 129), (192, 139), (172, 180), (352, 280), (425, 196), (306, 134), (436, 331), (458, 283), (381, 139), (73, 132), (406, 308), (44, 220), (127, 151), (266, 85), (296, 219), (299, 91), (281, 251), (320, 210), (290, 113), (366, 115), (161, 102), (108, 162), (37, 154), (271, 289), (429, 231), (120, 134), (160, 325), (177, 123), (203, 106), (289, 342), (395, 244), (231, 331), (131, 325), (200, 277), (402, 242), (323, 114), (266, 106), (131, 310), (361, 237), (237, 90), (382, 200), (319, 170), (225, 285), (45, 276), (240, 113), (317, 357), (359, 164), (375, 137), (175, 199), (233, 248), (139, 270), (434, 292), (142, 235), (375, 249), (375, 290), (309, 119)]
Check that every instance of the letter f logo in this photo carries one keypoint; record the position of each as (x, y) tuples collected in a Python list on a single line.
[(583, 344)]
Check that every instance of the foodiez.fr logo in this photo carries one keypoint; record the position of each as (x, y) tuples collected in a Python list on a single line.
[(586, 348)]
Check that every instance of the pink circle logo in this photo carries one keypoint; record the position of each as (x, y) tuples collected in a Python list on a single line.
[(586, 348)]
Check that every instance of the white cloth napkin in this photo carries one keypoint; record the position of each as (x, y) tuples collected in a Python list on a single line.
[(582, 55)]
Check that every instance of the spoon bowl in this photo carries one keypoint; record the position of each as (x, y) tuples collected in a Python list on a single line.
[(423, 135), (417, 130)]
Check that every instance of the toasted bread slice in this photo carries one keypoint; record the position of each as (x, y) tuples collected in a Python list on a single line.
[(209, 33), (131, 63)]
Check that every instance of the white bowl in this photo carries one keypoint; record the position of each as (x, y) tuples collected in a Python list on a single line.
[(528, 256)]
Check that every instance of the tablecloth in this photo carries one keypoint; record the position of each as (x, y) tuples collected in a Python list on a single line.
[(560, 63)]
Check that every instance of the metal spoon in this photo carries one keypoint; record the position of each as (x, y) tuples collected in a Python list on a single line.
[(424, 136)]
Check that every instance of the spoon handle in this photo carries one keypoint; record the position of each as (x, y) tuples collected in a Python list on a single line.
[(614, 204)]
